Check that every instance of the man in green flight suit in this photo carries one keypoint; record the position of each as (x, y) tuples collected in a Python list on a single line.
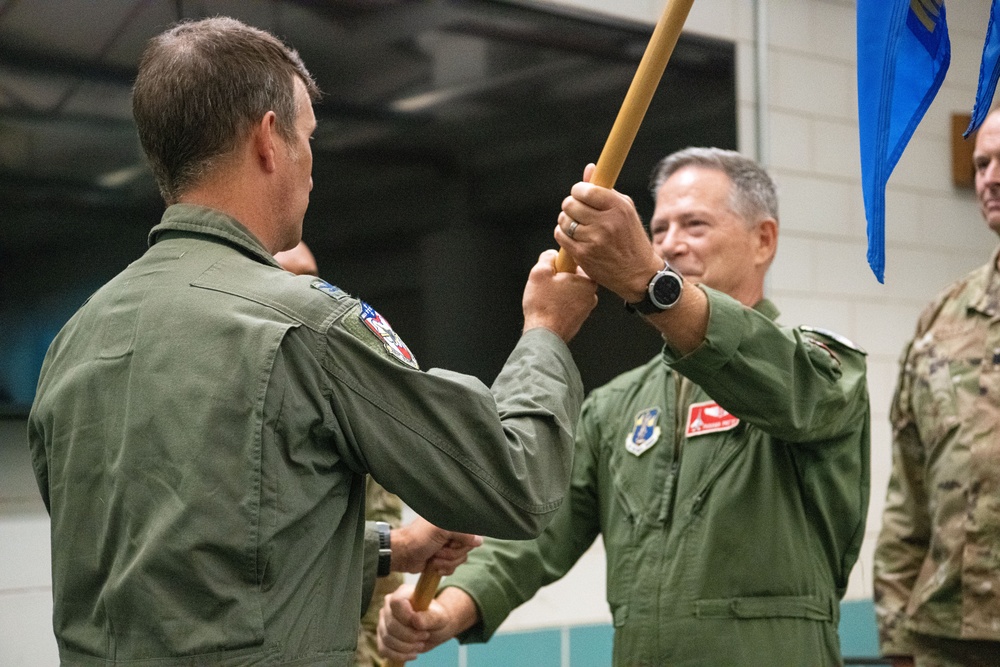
[(729, 476), (204, 423)]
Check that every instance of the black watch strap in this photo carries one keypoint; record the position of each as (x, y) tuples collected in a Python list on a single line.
[(667, 284), (646, 306), (384, 548)]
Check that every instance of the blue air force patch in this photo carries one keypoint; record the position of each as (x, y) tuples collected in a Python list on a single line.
[(326, 288), (644, 432), (393, 343)]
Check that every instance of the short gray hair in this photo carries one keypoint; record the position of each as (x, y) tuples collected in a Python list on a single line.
[(753, 196)]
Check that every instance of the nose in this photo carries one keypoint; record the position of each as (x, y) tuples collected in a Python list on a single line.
[(672, 244), (991, 174)]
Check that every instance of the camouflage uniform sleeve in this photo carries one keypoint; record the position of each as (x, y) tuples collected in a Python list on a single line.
[(380, 505), (906, 525)]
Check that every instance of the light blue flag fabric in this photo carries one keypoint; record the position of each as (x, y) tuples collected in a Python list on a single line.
[(989, 71), (903, 55)]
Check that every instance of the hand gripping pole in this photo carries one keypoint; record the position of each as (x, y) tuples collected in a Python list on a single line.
[(640, 93), (421, 599)]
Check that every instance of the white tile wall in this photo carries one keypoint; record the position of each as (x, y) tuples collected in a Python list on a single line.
[(26, 638), (954, 222), (795, 152), (811, 85), (834, 141), (26, 630), (717, 18)]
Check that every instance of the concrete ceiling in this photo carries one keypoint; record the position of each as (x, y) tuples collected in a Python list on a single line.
[(449, 133), (414, 89)]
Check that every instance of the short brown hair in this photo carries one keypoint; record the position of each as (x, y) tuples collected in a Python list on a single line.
[(201, 86)]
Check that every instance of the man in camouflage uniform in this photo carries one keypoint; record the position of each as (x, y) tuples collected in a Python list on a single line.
[(380, 505), (937, 562)]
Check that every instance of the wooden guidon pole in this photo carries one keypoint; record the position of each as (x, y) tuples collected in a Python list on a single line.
[(609, 165), (421, 599), (647, 77)]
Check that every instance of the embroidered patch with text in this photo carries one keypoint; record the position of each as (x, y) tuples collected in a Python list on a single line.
[(326, 288), (708, 417), (393, 343), (645, 432)]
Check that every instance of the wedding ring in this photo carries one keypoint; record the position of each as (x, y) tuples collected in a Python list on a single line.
[(572, 228)]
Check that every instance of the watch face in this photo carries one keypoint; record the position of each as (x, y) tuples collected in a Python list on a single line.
[(666, 290)]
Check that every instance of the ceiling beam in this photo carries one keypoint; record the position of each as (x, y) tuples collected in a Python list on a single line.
[(45, 63)]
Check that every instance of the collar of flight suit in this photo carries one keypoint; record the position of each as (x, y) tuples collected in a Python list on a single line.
[(201, 220)]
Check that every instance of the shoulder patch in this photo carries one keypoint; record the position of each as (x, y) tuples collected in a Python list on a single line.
[(390, 339), (837, 338), (327, 288)]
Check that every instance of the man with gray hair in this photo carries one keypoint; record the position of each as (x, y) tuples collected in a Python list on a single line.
[(728, 476)]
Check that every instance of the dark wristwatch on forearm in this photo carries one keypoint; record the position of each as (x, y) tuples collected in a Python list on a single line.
[(662, 293), (384, 548)]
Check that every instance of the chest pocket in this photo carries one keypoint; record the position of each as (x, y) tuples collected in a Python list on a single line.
[(649, 485), (704, 460), (640, 458), (936, 369)]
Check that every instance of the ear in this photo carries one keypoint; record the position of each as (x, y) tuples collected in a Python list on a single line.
[(265, 141), (766, 241)]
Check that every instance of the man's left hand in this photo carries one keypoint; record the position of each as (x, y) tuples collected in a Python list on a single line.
[(422, 545)]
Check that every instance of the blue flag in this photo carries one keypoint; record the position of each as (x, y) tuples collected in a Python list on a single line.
[(989, 71), (903, 55)]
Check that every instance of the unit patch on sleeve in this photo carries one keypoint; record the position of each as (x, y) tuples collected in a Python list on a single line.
[(644, 433), (708, 417), (393, 343), (326, 288), (833, 336)]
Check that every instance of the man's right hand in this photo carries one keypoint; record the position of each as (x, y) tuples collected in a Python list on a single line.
[(557, 301), (404, 633)]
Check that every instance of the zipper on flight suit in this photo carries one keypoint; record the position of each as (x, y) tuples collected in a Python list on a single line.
[(683, 388), (699, 497)]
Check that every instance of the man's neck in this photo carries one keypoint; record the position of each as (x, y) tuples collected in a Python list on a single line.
[(233, 194)]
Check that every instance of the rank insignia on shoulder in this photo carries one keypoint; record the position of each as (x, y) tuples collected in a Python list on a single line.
[(645, 431), (836, 337), (390, 339), (708, 417), (326, 288)]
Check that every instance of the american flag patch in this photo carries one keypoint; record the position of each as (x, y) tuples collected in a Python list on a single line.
[(392, 342)]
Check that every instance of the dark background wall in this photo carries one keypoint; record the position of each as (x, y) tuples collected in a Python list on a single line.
[(449, 135)]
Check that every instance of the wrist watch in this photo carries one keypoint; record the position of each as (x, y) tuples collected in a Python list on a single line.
[(663, 292), (384, 549)]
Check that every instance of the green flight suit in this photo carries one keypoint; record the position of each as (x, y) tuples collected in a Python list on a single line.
[(200, 436), (728, 543)]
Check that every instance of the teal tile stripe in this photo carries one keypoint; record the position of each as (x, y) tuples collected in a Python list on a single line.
[(858, 633), (590, 645)]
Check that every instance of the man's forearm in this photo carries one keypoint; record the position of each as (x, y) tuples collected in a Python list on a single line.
[(683, 327), (462, 609)]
